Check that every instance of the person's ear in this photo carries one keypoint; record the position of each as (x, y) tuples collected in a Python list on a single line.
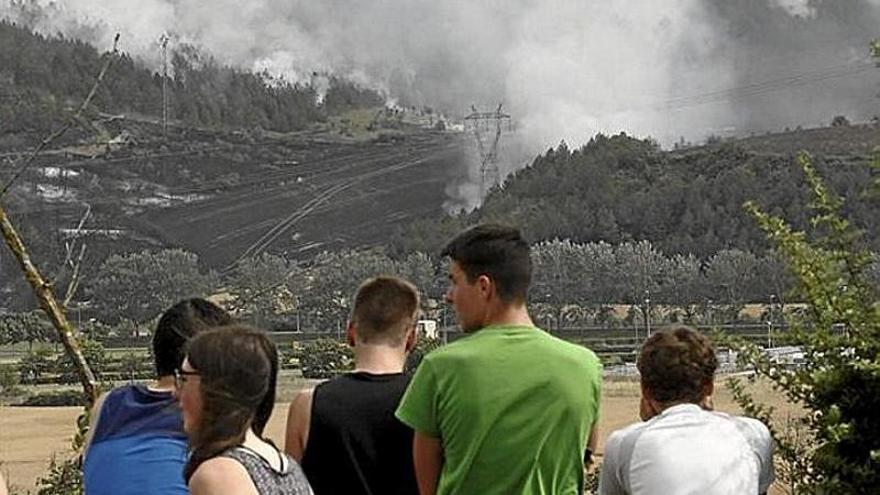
[(350, 334), (412, 338), (648, 407), (708, 389), (486, 286)]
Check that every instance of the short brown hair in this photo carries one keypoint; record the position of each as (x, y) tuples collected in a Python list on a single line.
[(384, 309), (675, 364)]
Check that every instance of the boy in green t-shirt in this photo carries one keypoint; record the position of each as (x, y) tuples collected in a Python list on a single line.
[(508, 409)]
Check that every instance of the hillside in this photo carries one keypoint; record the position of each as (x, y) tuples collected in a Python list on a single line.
[(688, 201), (44, 79)]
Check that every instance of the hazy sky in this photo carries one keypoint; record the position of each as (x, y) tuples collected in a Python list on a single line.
[(564, 69)]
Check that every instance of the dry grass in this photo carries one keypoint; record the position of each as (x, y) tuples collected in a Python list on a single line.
[(30, 436)]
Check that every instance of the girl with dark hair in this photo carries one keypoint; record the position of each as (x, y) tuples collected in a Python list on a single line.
[(226, 387)]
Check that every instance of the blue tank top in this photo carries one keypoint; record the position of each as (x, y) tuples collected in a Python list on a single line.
[(138, 446)]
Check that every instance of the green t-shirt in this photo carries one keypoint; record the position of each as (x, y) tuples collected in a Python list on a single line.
[(512, 406)]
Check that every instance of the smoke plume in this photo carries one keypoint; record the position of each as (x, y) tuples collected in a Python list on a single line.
[(564, 69)]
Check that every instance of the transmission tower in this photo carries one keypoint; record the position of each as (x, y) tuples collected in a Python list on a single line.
[(482, 123), (164, 41)]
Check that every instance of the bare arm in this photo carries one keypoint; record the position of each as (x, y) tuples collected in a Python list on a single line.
[(221, 476), (428, 461), (299, 417), (2, 486), (592, 444)]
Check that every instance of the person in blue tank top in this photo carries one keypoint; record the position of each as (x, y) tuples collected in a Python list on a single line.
[(136, 443)]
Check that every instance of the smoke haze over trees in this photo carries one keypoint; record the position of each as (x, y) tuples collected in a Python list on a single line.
[(565, 69)]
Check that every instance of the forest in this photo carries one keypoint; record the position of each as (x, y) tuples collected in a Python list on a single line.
[(43, 78)]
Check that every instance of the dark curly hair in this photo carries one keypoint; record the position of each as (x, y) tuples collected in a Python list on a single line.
[(676, 363)]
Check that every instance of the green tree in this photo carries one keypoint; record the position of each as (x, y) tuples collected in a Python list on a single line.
[(839, 383), (733, 275), (95, 355), (260, 285), (27, 327), (683, 285), (139, 286), (33, 365), (326, 289)]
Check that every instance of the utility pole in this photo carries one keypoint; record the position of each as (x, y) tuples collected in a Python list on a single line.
[(489, 174), (164, 41)]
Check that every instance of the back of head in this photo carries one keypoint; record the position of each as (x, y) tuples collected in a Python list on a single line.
[(500, 253), (180, 323), (675, 365), (384, 309), (238, 367)]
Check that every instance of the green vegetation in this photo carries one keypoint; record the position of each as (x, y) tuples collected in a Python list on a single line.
[(619, 189), (321, 359), (835, 446), (42, 78), (139, 286)]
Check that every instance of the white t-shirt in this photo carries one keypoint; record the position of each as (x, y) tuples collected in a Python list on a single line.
[(687, 450)]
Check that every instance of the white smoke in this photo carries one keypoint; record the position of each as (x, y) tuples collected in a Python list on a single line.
[(564, 69), (800, 8)]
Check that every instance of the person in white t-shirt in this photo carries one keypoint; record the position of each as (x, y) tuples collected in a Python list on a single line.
[(682, 446)]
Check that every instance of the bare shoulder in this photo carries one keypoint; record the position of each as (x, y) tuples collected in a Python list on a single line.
[(303, 397), (301, 405), (299, 416), (220, 476)]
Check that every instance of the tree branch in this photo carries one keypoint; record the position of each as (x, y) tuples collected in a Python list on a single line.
[(60, 132)]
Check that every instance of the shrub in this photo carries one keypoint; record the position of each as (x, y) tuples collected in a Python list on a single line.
[(55, 398), (64, 478), (95, 356), (840, 121), (323, 358), (133, 365), (9, 380), (839, 383), (34, 365), (423, 347)]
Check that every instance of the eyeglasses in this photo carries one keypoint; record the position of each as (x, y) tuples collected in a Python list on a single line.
[(180, 376)]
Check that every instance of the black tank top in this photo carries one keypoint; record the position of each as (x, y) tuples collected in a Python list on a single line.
[(355, 444)]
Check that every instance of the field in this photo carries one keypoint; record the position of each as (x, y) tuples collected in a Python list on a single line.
[(30, 436)]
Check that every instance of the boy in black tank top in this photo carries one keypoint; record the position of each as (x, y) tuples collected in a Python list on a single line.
[(344, 432)]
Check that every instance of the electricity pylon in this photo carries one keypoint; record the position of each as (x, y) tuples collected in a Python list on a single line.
[(481, 123), (164, 41)]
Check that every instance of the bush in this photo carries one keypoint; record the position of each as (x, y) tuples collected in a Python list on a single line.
[(323, 358), (423, 347), (55, 398), (133, 365), (9, 380), (34, 365), (95, 356), (840, 121), (839, 382), (64, 478)]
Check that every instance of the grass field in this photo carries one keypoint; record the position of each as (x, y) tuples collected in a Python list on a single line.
[(29, 437)]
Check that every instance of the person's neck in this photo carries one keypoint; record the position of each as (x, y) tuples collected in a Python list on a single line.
[(164, 383), (508, 315), (379, 359)]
